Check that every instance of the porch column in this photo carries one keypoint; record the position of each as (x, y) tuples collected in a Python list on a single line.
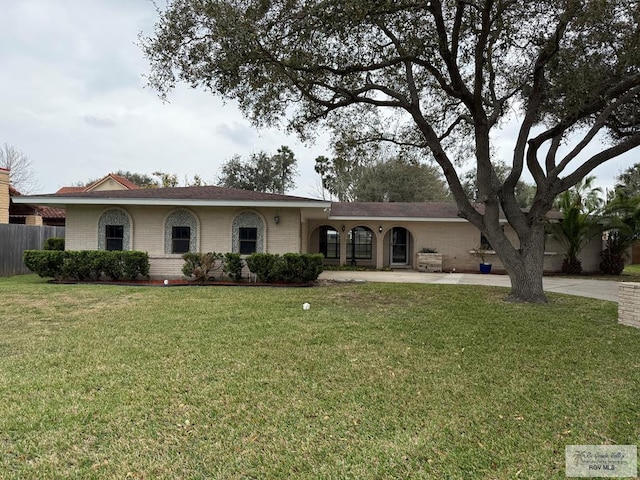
[(304, 236), (343, 245), (379, 248)]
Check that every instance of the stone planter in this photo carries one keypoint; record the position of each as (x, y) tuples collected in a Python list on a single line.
[(429, 262)]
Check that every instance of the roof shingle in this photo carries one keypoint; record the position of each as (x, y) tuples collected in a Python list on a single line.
[(395, 210), (184, 193)]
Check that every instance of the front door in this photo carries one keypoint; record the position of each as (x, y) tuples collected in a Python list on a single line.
[(399, 246)]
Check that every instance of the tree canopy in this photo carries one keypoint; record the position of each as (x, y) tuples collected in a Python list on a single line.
[(524, 191), (628, 181), (261, 172), (395, 179), (143, 180), (140, 179), (437, 77)]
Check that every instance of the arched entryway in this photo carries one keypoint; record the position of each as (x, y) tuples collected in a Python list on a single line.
[(399, 247), (360, 246), (329, 242)]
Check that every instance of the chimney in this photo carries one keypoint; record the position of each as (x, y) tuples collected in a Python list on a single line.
[(4, 195)]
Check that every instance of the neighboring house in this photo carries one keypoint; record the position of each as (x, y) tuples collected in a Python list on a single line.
[(34, 215), (27, 214), (166, 222), (10, 212), (109, 182)]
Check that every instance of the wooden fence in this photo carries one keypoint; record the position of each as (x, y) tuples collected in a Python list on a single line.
[(15, 239)]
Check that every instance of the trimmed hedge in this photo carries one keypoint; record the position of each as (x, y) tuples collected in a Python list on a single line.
[(54, 243), (288, 268), (233, 266), (88, 265)]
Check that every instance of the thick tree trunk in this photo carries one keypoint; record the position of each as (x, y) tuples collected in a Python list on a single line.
[(525, 268), (526, 279)]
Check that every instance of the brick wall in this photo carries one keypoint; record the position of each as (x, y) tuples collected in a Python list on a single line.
[(4, 195), (629, 304), (214, 231), (454, 240)]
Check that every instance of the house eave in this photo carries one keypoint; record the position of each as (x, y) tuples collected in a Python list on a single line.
[(402, 219)]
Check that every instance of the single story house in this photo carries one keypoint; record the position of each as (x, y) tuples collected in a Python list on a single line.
[(166, 222)]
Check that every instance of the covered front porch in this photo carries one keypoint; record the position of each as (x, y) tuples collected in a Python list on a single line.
[(366, 244)]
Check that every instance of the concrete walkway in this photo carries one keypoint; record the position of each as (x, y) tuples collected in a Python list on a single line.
[(600, 289)]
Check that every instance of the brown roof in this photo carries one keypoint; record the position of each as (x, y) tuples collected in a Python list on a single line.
[(52, 212), (395, 209), (183, 193), (421, 210), (70, 189), (23, 210)]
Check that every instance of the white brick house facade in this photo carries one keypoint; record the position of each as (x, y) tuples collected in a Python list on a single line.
[(214, 219)]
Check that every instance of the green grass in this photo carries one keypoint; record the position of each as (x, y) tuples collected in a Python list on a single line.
[(374, 381), (631, 273)]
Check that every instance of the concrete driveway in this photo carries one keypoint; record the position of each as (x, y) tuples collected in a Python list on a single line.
[(600, 289)]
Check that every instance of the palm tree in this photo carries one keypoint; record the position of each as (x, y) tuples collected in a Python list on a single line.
[(622, 220), (580, 224)]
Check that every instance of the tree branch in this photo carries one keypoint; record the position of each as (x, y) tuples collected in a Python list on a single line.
[(595, 161), (547, 52), (597, 126)]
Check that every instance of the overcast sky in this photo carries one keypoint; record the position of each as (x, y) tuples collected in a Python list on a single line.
[(73, 98)]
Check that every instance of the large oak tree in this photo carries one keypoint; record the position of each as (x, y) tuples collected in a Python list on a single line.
[(432, 75)]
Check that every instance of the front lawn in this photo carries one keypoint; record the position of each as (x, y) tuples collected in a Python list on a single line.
[(373, 381)]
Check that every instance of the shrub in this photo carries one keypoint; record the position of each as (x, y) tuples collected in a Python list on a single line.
[(313, 266), (46, 263), (292, 269), (289, 268), (83, 265), (613, 256), (135, 264), (87, 265), (200, 266), (54, 243), (265, 266), (233, 266)]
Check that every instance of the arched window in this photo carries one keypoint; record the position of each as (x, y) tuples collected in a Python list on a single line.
[(114, 230), (360, 244), (248, 234), (180, 232), (329, 242)]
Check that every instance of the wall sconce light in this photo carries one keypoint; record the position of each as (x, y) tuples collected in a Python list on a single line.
[(380, 228), (276, 219), (343, 228)]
